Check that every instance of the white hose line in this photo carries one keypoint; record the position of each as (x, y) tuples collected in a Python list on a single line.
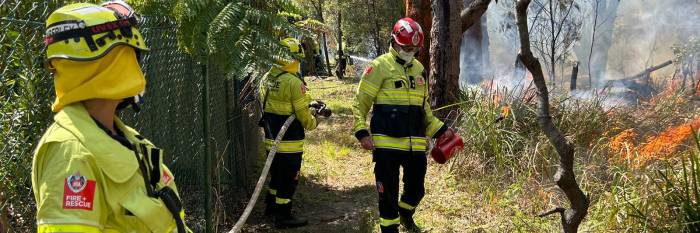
[(258, 187)]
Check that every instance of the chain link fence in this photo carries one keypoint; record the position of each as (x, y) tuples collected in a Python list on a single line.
[(191, 111)]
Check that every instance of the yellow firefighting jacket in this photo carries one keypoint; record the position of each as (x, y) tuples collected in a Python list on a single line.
[(397, 91), (86, 181), (284, 94)]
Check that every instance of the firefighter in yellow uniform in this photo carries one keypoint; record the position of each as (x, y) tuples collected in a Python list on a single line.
[(91, 172), (395, 87), (283, 93)]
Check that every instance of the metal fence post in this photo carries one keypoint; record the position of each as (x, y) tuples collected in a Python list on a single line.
[(207, 148)]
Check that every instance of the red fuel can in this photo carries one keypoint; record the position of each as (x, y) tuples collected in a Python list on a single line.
[(445, 149)]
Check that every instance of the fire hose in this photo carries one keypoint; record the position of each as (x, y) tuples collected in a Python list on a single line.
[(320, 109)]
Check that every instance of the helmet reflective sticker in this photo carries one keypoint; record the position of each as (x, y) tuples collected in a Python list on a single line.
[(406, 25), (87, 31), (122, 9)]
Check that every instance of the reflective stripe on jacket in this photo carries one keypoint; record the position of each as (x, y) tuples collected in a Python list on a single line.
[(284, 94), (401, 115), (85, 181)]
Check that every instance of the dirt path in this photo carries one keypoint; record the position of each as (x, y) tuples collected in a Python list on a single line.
[(336, 191), (337, 194)]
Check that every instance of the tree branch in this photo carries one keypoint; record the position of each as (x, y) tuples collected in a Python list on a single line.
[(565, 177), (559, 210), (473, 13)]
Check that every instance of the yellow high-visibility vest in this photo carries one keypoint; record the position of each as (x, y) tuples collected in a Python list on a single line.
[(86, 181), (284, 94), (397, 91)]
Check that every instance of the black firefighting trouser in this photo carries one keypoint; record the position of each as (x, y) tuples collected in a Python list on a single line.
[(386, 172), (284, 177)]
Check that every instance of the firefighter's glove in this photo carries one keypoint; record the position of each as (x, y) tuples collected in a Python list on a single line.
[(320, 108)]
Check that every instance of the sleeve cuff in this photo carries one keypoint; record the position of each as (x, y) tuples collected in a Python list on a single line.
[(361, 134), (440, 131)]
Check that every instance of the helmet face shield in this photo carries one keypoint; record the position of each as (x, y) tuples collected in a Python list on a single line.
[(87, 32)]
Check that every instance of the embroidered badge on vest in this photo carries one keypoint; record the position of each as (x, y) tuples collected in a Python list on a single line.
[(78, 192), (166, 178), (368, 71), (421, 81)]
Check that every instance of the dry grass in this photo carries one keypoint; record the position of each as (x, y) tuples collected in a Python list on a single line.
[(503, 179)]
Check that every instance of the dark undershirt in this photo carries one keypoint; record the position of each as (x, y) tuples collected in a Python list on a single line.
[(119, 137)]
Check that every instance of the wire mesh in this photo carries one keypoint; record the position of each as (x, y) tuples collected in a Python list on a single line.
[(172, 118)]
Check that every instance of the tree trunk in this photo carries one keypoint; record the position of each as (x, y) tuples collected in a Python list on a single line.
[(473, 55), (599, 62), (341, 61), (319, 9), (4, 223), (564, 177), (553, 42), (574, 77), (419, 10), (309, 65), (473, 13), (446, 34), (377, 42)]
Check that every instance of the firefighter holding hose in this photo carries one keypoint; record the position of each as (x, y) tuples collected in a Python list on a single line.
[(91, 172), (283, 93), (394, 85)]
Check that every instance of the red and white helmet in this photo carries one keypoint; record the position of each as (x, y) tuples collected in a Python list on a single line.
[(407, 32)]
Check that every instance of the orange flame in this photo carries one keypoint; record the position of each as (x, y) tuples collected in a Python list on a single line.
[(666, 143), (505, 111), (623, 143)]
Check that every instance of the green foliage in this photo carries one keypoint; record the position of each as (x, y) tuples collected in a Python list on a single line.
[(239, 36), (360, 19)]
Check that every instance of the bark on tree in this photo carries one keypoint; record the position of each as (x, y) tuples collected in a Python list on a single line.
[(455, 21), (419, 10), (309, 64), (446, 34), (564, 177), (4, 223), (473, 13)]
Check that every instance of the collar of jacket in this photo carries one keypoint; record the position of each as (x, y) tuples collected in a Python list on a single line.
[(115, 160), (276, 72)]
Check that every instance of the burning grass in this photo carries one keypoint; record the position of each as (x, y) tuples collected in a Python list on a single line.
[(667, 143)]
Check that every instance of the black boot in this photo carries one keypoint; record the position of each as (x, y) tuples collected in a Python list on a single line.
[(390, 229), (285, 219), (407, 220), (269, 204)]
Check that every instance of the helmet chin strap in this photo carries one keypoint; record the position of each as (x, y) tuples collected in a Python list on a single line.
[(133, 102)]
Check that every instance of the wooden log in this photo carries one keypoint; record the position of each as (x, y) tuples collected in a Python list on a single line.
[(646, 72)]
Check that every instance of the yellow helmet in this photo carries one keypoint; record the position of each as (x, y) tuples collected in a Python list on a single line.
[(292, 66), (294, 47), (92, 53), (85, 31)]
